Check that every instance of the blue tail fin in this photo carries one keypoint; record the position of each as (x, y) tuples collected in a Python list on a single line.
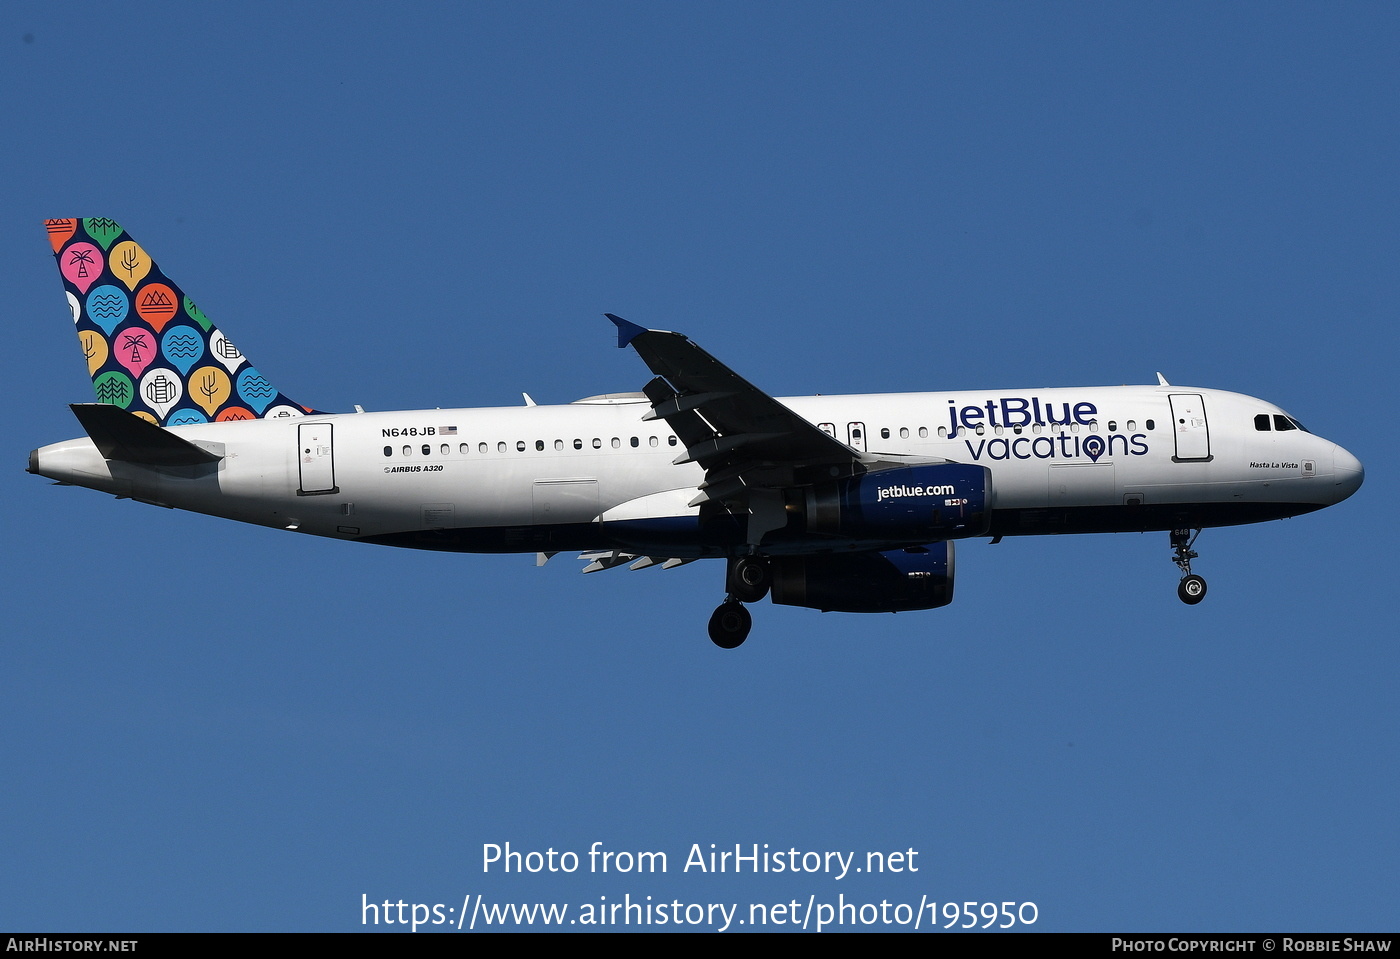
[(149, 349)]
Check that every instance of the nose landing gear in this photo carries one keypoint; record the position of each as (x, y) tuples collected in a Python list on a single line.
[(1192, 588)]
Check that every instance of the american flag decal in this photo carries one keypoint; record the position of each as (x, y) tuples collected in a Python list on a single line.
[(447, 430)]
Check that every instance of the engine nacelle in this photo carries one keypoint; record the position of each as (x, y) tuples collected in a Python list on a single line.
[(892, 581), (914, 503)]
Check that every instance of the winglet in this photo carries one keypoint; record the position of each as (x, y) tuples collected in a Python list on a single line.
[(626, 331), (1162, 380)]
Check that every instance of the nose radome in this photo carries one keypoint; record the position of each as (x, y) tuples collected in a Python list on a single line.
[(1348, 472)]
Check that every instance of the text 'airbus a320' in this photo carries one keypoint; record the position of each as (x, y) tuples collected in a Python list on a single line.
[(848, 503)]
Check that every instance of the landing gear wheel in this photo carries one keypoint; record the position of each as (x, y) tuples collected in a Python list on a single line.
[(1192, 589), (730, 624), (749, 578)]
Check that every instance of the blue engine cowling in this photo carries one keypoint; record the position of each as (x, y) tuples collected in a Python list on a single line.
[(913, 503), (891, 581)]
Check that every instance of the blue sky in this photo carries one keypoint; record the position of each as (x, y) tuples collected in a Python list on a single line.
[(216, 727)]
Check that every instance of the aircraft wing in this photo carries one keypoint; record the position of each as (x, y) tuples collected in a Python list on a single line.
[(744, 438)]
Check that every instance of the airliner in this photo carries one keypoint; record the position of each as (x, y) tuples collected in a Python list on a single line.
[(836, 503)]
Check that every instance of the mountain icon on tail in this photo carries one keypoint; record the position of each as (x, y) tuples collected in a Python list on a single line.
[(150, 350)]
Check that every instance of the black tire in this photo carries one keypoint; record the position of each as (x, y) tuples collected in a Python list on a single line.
[(1192, 589), (750, 578), (730, 625)]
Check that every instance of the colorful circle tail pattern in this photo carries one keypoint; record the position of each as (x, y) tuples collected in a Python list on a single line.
[(149, 349)]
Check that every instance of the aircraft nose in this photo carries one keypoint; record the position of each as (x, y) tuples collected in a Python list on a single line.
[(1348, 471)]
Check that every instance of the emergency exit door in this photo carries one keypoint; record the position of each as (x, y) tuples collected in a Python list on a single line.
[(855, 436), (1189, 426), (316, 458)]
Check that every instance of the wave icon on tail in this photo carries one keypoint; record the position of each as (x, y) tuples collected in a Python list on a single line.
[(149, 349)]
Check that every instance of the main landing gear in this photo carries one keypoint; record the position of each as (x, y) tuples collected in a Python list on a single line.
[(1192, 588), (730, 624), (747, 581)]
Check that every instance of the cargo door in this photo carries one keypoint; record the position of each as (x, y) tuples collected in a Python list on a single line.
[(561, 502)]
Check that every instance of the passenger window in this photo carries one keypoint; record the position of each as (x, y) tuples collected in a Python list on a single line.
[(539, 446), (1261, 422), (427, 449), (501, 446), (1151, 425), (654, 442), (520, 446), (558, 444), (635, 442), (388, 451), (885, 433), (923, 432), (943, 432), (1112, 426), (616, 443), (446, 449), (578, 444), (904, 432), (1132, 425), (481, 447), (408, 451), (597, 443), (465, 448), (981, 430), (670, 441)]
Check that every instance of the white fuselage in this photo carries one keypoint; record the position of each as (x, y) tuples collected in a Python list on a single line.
[(534, 477)]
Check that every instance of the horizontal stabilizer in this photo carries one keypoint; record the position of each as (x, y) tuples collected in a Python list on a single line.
[(124, 436)]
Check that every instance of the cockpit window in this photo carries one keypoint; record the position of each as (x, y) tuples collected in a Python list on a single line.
[(1261, 422), (1282, 423)]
